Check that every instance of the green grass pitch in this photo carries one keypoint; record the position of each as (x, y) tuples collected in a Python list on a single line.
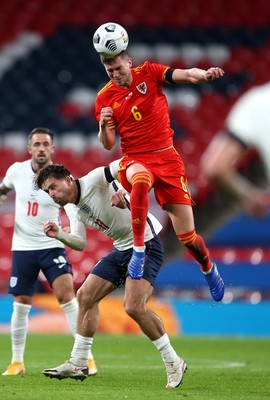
[(129, 367)]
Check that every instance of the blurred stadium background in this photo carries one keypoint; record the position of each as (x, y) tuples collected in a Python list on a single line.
[(49, 76)]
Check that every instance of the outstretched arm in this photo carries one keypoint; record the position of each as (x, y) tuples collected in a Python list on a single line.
[(218, 165), (75, 240), (197, 75)]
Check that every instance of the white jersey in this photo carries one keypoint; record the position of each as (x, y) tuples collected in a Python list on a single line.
[(249, 120), (32, 208), (93, 209)]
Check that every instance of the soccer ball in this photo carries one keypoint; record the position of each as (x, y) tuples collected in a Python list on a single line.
[(110, 39)]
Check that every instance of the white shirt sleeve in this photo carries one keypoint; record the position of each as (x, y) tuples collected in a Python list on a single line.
[(114, 168), (8, 180)]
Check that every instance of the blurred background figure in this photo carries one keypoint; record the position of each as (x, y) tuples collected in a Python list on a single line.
[(247, 127)]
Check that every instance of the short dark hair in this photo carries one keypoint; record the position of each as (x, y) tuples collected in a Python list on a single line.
[(57, 171), (109, 59), (46, 131)]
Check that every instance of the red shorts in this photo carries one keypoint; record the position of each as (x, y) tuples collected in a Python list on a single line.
[(167, 172)]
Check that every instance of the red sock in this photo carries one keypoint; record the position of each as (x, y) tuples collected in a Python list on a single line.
[(141, 184), (196, 247)]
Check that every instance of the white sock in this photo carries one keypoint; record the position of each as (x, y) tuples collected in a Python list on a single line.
[(19, 328), (139, 249), (80, 352), (71, 311), (166, 350), (208, 272)]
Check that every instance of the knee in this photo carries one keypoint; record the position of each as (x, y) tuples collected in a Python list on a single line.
[(85, 299), (81, 297), (64, 298), (63, 288), (133, 310)]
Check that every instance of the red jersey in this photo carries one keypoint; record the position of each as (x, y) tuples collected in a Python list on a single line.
[(141, 114)]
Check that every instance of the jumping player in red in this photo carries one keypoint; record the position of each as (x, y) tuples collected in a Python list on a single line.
[(133, 104)]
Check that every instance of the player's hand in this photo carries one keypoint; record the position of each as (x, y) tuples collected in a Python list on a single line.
[(50, 229), (2, 199), (118, 199), (214, 73), (106, 114)]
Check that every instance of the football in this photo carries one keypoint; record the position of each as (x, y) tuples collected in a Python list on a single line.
[(110, 39)]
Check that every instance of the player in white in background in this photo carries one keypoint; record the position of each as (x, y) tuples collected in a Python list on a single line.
[(247, 125), (32, 250), (90, 199)]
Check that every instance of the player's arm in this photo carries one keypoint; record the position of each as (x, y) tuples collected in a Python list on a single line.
[(219, 166), (107, 131), (219, 159), (3, 193), (193, 75), (75, 240)]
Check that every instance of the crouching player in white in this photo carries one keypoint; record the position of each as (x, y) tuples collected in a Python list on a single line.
[(93, 196), (32, 250)]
